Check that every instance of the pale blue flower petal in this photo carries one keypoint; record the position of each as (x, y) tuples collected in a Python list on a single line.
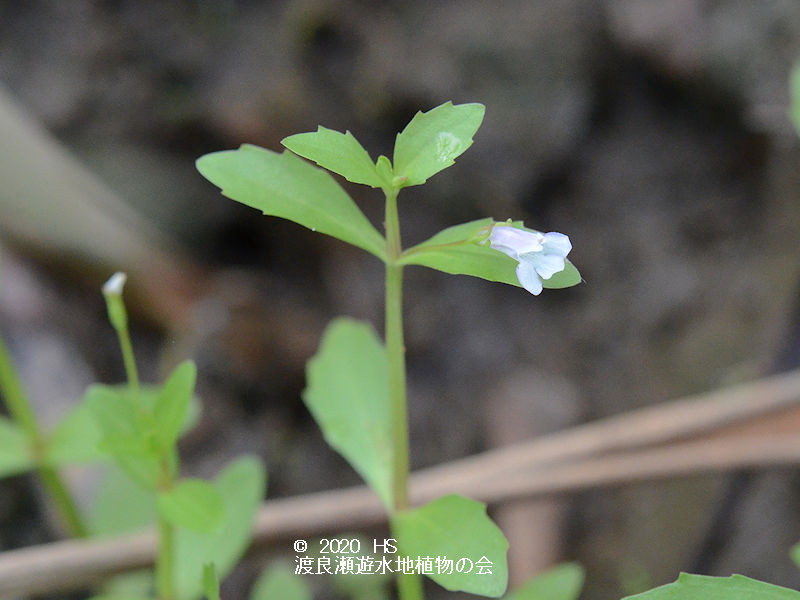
[(529, 278), (513, 241), (508, 250), (556, 243), (546, 265)]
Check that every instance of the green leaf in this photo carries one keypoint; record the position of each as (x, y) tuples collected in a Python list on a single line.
[(736, 587), (121, 505), (566, 278), (456, 528), (383, 166), (347, 392), (337, 152), (794, 553), (563, 582), (434, 139), (119, 412), (15, 455), (241, 485), (132, 585), (172, 404), (75, 439), (279, 582), (794, 94), (127, 429), (283, 185), (193, 504), (139, 463), (455, 250), (210, 582)]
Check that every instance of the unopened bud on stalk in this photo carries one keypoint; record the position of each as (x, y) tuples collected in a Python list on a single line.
[(112, 290)]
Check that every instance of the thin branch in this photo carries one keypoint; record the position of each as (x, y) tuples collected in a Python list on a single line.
[(686, 458), (609, 452), (680, 419)]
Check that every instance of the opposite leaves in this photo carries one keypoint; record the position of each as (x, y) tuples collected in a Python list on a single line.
[(139, 429), (429, 143)]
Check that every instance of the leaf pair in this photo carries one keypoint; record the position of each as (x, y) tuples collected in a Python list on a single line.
[(140, 429), (284, 186), (430, 143)]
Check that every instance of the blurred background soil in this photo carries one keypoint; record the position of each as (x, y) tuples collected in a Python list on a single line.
[(653, 133)]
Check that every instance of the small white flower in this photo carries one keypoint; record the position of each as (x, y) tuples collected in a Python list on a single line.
[(540, 255)]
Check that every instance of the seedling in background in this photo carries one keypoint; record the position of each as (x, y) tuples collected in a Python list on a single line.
[(203, 527)]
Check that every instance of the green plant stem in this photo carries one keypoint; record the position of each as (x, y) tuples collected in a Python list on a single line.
[(118, 316), (15, 398), (165, 562), (21, 411), (61, 497), (409, 586), (128, 358), (395, 350)]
